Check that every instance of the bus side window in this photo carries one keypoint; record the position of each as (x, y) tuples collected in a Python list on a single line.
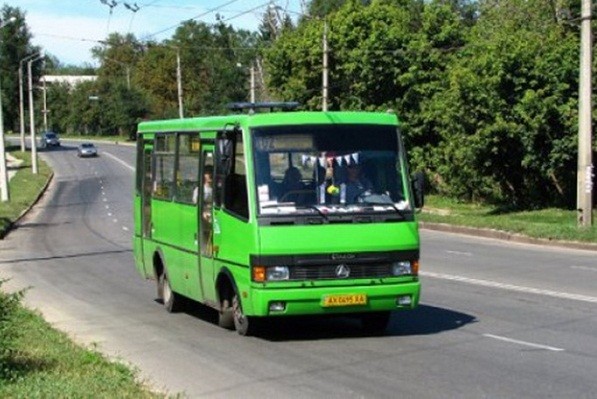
[(231, 183)]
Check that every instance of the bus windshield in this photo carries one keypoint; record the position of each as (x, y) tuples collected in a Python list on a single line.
[(329, 169)]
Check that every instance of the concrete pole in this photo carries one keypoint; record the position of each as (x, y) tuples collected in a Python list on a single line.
[(22, 100), (4, 190), (252, 69), (21, 108), (45, 112), (179, 83), (324, 104), (584, 198), (32, 120)]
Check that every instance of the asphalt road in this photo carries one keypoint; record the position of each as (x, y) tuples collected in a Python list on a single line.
[(497, 320)]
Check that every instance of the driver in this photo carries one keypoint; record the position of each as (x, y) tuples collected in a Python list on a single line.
[(356, 183)]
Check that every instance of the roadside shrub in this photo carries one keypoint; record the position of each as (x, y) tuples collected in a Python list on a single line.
[(9, 329)]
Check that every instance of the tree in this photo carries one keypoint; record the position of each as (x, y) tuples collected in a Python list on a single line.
[(510, 107), (15, 44)]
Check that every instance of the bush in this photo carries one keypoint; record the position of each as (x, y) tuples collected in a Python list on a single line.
[(9, 329)]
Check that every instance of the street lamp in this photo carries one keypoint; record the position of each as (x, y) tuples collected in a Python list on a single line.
[(4, 190), (21, 100), (32, 116)]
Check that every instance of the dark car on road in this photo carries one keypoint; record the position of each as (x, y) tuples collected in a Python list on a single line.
[(49, 139), (87, 150)]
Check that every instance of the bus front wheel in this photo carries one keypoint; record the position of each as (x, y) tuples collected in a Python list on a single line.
[(243, 324)]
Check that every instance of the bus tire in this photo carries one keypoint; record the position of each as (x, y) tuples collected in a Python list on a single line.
[(375, 322), (226, 316), (173, 302), (243, 324)]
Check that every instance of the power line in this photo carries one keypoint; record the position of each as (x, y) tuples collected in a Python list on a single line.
[(195, 17)]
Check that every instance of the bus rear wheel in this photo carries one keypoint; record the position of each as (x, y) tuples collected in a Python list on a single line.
[(243, 324), (172, 301)]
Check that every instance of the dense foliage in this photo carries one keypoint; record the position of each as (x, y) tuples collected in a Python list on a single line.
[(486, 90)]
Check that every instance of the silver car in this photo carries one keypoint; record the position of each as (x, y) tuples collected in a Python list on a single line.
[(87, 150), (49, 139)]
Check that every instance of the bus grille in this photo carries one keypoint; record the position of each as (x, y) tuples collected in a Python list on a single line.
[(320, 272)]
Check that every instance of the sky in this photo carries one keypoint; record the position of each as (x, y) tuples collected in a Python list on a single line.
[(68, 29)]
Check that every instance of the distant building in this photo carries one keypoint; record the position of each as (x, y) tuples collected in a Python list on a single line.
[(71, 80)]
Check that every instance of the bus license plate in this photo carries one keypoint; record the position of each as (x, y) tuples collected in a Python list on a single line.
[(344, 300)]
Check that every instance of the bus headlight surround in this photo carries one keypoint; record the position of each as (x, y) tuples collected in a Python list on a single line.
[(402, 268), (277, 273)]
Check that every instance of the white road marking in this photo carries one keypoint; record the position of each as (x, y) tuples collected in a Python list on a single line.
[(115, 220), (511, 287), (119, 161), (110, 214), (104, 199), (107, 206), (591, 269), (531, 344), (125, 228), (460, 253)]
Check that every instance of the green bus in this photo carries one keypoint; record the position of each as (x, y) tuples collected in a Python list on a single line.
[(280, 213)]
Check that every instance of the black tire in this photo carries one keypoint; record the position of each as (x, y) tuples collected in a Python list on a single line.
[(226, 316), (172, 301), (243, 324), (375, 322)]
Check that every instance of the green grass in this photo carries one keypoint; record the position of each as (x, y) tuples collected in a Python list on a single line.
[(24, 188), (47, 364), (551, 223)]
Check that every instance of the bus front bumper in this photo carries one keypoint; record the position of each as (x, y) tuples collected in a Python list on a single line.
[(332, 300)]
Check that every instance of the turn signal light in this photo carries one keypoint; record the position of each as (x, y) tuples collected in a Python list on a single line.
[(259, 274), (415, 267)]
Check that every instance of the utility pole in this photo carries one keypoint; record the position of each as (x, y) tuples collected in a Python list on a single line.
[(584, 173), (252, 70), (32, 117), (21, 100), (179, 83), (4, 189), (45, 111), (324, 104)]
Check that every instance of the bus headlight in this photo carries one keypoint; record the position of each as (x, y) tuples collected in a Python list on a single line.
[(277, 273), (402, 268)]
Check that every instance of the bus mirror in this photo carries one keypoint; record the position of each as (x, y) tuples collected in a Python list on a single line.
[(418, 185), (224, 154)]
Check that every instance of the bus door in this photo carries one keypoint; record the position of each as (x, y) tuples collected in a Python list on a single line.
[(146, 225), (206, 223)]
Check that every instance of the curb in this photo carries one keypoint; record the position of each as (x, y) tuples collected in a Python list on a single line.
[(4, 232), (505, 236)]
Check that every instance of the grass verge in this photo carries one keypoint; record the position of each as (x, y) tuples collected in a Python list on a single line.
[(45, 363), (37, 361), (24, 189), (553, 224)]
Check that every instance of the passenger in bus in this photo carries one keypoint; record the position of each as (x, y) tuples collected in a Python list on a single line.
[(206, 209), (356, 183)]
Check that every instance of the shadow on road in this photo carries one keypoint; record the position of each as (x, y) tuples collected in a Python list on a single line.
[(424, 320)]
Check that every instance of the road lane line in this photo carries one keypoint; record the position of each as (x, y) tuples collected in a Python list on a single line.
[(119, 160), (460, 253), (125, 228), (590, 269), (510, 287), (525, 343)]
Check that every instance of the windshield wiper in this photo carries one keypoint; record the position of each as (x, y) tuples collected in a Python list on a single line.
[(382, 199)]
